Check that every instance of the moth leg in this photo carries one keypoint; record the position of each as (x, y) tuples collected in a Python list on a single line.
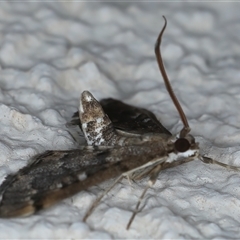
[(96, 202), (130, 180), (154, 174), (143, 174), (211, 161)]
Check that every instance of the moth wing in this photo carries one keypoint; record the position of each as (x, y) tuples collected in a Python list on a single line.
[(48, 172), (95, 123), (127, 118), (132, 119), (56, 175)]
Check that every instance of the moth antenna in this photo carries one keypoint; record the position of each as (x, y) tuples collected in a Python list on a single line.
[(186, 127)]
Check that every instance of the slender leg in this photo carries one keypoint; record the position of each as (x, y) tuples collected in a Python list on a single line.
[(211, 161), (154, 174), (96, 202)]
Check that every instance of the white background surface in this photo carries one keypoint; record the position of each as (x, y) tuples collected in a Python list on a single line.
[(51, 52)]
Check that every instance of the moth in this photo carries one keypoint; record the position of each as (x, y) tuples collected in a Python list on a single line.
[(122, 141)]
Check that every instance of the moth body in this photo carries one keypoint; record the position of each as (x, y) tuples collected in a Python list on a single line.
[(56, 175)]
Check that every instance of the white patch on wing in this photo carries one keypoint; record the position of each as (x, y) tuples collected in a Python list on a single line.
[(87, 96), (99, 120), (82, 176), (146, 120), (101, 140), (87, 135), (98, 130)]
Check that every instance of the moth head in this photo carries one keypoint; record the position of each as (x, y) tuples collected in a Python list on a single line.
[(182, 149), (186, 144)]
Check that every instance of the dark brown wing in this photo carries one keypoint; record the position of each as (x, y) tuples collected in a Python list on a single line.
[(132, 119), (48, 172), (128, 118), (56, 175)]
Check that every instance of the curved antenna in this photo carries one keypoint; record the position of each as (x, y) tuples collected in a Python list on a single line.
[(186, 127)]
